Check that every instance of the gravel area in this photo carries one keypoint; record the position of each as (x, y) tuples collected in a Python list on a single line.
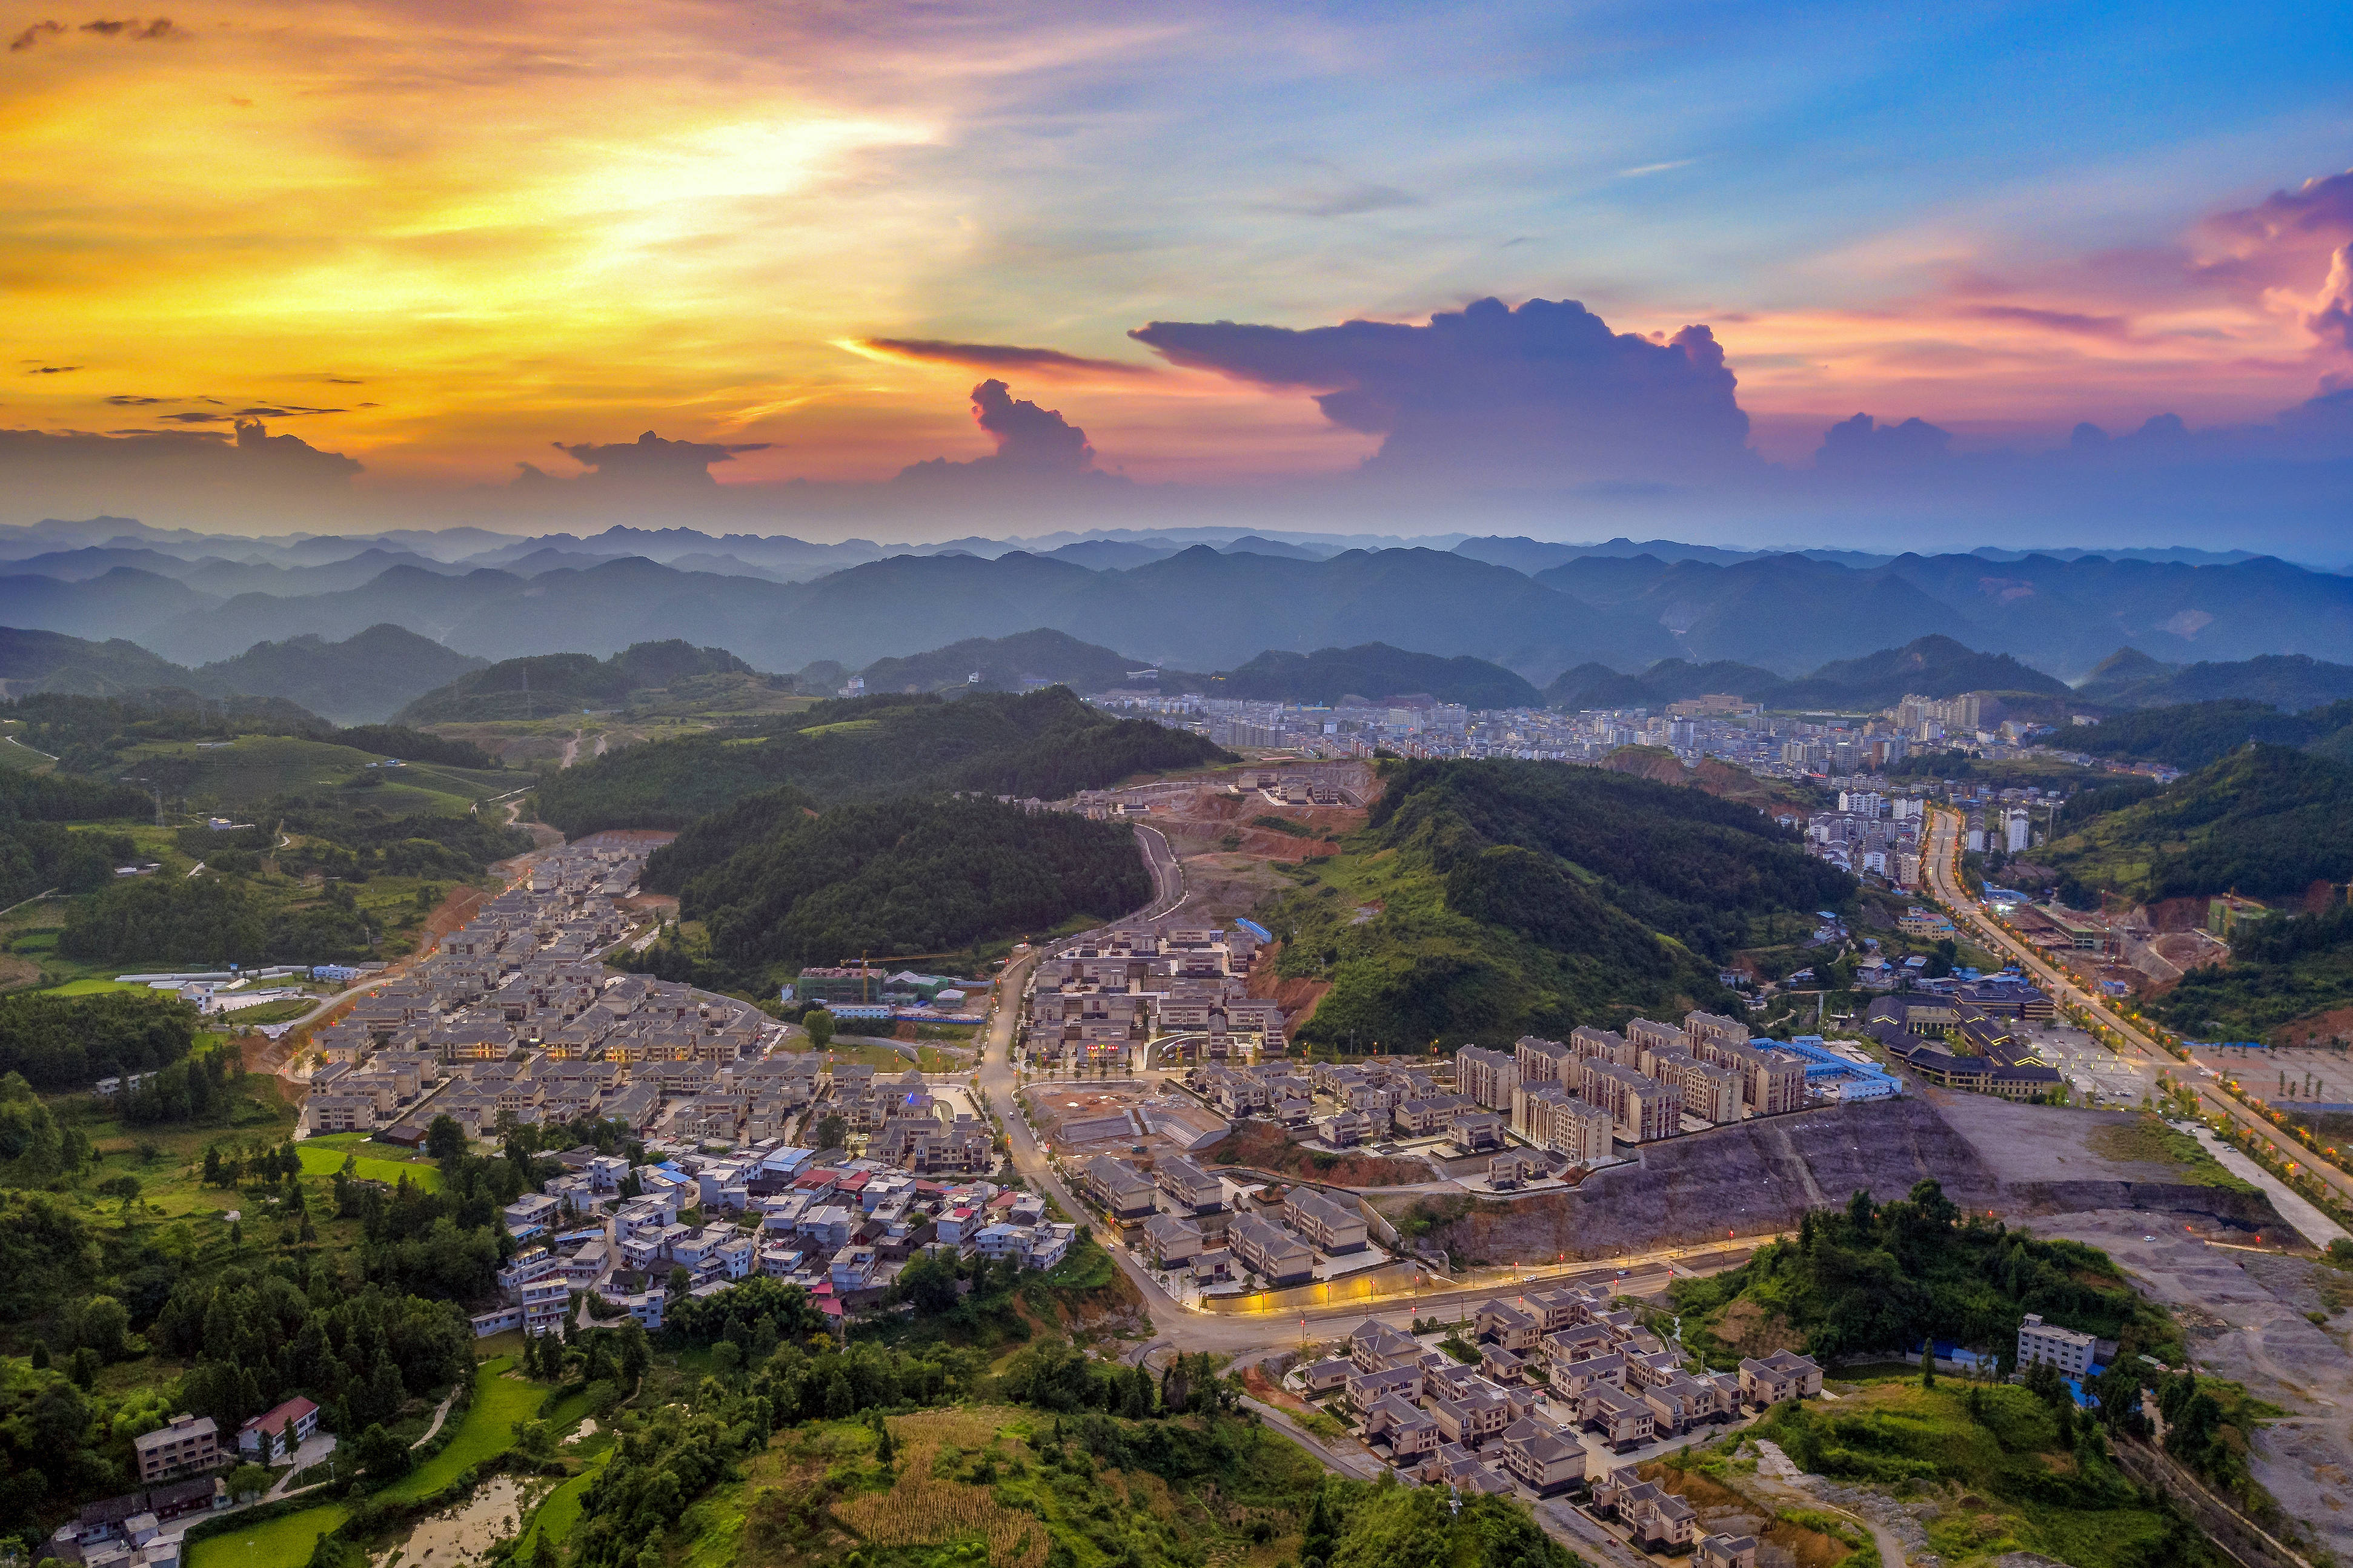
[(2239, 1310)]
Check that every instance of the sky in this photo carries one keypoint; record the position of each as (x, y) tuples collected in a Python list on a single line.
[(433, 242)]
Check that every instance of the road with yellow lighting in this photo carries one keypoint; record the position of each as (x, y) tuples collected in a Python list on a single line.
[(1944, 879)]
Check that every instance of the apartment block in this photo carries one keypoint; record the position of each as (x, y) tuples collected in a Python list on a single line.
[(1487, 1077), (1605, 1044), (1270, 1251), (1555, 1120), (1541, 1061), (1650, 1035), (1711, 1093), (1330, 1226), (1640, 1108)]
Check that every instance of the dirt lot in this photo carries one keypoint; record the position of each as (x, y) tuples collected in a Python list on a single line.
[(2246, 1324), (1263, 1146), (2041, 1142)]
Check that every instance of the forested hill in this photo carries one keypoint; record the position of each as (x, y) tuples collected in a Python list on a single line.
[(1487, 899), (548, 683), (2266, 821), (1931, 665), (1371, 671), (910, 875), (1048, 745), (1003, 664), (2193, 734)]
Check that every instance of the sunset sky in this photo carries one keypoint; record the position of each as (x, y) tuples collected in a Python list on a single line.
[(438, 238)]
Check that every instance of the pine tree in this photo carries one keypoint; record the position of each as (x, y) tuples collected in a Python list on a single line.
[(1927, 1366), (386, 1394)]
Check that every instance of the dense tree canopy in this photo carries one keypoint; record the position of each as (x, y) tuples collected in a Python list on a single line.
[(1047, 744), (912, 875), (69, 1041), (1486, 899), (1878, 1278)]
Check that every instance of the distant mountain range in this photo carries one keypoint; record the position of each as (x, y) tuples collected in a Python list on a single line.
[(1925, 666), (1180, 598)]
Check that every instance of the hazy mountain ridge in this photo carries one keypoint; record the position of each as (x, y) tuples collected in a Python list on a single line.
[(1934, 666), (366, 677), (784, 603)]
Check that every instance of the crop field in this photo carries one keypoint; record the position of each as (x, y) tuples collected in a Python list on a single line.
[(557, 1516), (500, 1405), (319, 1160), (925, 1508), (285, 1542)]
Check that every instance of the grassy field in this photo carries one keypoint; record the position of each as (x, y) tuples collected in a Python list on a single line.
[(284, 1542), (322, 1160), (560, 1511), (167, 1160), (500, 1405), (2151, 1139), (2015, 1485), (90, 986), (252, 768)]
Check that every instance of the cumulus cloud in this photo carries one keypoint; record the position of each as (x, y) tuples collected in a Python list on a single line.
[(2331, 318), (1543, 394), (1003, 356), (1862, 442), (1034, 446), (649, 461), (1028, 437), (191, 476)]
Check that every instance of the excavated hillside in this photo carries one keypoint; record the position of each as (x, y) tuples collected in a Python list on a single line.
[(1757, 1177)]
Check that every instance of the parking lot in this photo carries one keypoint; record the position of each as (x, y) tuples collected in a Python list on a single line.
[(2092, 1069)]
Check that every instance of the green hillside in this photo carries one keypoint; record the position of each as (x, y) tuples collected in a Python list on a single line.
[(236, 776), (1003, 664), (2280, 970), (1927, 666), (1048, 745), (550, 683), (2130, 678), (902, 876), (1487, 899), (1371, 671), (2266, 821), (2193, 734), (366, 678), (34, 662)]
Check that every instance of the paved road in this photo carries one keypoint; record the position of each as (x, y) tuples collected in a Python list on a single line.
[(1257, 1336), (1944, 877)]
